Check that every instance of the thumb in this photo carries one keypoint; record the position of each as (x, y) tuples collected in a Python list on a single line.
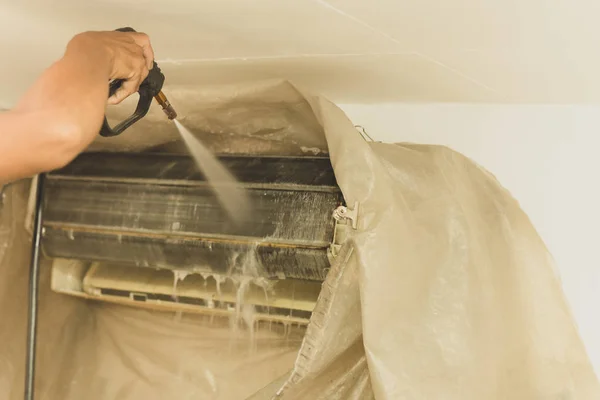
[(127, 89)]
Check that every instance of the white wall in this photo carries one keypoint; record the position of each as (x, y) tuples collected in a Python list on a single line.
[(547, 156), (350, 50)]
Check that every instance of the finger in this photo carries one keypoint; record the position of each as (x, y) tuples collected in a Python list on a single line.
[(144, 75), (142, 40), (127, 89)]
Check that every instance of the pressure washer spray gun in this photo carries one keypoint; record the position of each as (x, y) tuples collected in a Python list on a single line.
[(150, 88)]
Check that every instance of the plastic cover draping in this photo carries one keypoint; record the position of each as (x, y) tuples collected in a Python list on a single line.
[(445, 290)]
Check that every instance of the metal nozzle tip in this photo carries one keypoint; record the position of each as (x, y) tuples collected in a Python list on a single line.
[(166, 105), (170, 111)]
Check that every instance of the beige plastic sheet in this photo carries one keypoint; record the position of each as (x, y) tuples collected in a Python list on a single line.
[(445, 290)]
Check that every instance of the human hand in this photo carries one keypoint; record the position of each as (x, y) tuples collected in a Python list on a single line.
[(129, 56)]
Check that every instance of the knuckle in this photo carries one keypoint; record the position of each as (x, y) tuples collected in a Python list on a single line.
[(143, 36)]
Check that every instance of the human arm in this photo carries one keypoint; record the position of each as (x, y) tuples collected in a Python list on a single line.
[(61, 114)]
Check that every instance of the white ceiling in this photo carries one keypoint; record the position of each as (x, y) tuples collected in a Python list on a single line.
[(350, 50)]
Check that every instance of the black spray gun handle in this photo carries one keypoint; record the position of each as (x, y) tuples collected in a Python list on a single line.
[(150, 87)]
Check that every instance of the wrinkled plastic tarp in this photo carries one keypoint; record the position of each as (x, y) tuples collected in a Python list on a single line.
[(445, 290)]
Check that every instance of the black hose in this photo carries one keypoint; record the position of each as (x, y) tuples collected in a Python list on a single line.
[(34, 279)]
